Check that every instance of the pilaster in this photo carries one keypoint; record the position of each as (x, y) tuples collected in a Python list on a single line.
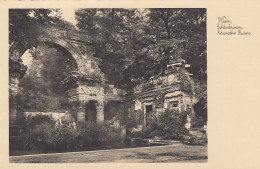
[(100, 111)]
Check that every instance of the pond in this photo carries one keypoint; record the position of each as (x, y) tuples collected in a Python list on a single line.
[(126, 144)]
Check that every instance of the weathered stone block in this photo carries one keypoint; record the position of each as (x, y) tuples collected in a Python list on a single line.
[(81, 116)]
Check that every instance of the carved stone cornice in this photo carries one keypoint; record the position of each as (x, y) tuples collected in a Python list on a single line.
[(75, 79)]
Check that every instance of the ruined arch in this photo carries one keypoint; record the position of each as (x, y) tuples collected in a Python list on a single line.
[(86, 84), (17, 70), (17, 50)]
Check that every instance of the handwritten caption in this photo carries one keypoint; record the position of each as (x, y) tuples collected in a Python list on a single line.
[(226, 27)]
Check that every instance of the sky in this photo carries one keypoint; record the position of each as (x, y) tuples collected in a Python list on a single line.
[(68, 15)]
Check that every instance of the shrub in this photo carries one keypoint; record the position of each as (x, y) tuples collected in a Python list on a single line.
[(171, 124), (191, 140), (33, 121), (140, 134), (131, 122), (93, 134), (44, 136), (40, 137), (87, 134), (197, 122), (66, 139), (168, 125)]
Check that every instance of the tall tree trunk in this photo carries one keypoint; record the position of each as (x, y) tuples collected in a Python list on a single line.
[(166, 22)]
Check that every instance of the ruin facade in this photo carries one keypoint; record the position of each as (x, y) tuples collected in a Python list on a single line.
[(89, 92)]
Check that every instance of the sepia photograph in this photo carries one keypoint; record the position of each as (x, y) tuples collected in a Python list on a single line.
[(92, 85)]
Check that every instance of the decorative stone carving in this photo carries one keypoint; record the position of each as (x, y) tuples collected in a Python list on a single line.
[(89, 90), (138, 105), (100, 112), (188, 124), (159, 100)]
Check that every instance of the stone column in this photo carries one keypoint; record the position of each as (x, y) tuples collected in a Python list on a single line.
[(81, 112), (100, 111), (144, 116), (12, 107), (16, 72)]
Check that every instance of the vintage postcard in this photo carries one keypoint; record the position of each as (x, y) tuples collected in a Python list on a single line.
[(130, 84)]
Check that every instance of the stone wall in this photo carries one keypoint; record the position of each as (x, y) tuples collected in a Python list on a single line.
[(54, 115), (171, 91)]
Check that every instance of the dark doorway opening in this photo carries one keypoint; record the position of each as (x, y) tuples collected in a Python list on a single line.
[(149, 109), (149, 113), (91, 111)]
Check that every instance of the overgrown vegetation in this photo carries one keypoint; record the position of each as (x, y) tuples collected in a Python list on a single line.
[(43, 88), (133, 43), (169, 125), (44, 134)]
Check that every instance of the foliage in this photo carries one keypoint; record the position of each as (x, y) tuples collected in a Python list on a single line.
[(191, 140), (135, 43), (41, 137), (45, 136), (141, 32), (139, 43), (197, 122), (131, 122), (23, 24), (117, 29), (97, 134), (32, 121), (23, 21), (43, 87), (169, 125)]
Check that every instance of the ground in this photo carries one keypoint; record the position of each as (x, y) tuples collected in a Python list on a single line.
[(169, 153)]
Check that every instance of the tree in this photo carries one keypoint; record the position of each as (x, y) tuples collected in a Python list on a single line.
[(186, 39), (43, 87), (23, 24), (139, 43), (134, 43)]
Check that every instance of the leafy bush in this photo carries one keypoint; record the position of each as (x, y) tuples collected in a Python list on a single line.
[(139, 134), (197, 122), (93, 134), (40, 137), (45, 136), (33, 121), (191, 140), (169, 125), (66, 139), (131, 122)]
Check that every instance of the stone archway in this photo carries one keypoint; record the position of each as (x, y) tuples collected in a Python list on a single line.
[(58, 39), (16, 51), (87, 83)]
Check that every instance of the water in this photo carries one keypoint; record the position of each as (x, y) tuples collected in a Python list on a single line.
[(125, 144)]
